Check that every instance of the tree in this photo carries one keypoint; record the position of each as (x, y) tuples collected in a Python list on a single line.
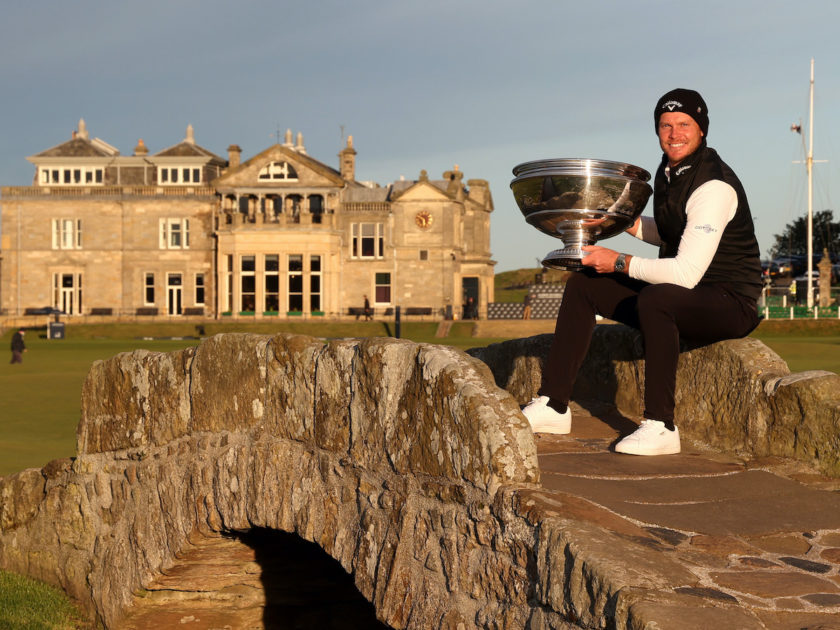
[(794, 240)]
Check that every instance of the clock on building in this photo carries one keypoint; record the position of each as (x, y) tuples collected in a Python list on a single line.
[(423, 219)]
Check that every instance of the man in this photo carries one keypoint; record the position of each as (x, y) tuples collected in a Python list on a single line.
[(18, 346), (702, 288)]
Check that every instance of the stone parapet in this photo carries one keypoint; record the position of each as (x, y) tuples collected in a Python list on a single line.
[(735, 395)]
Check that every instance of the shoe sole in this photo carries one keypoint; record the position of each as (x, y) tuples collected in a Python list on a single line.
[(629, 450), (649, 454)]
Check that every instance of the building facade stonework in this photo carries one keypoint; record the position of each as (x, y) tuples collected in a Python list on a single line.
[(185, 232)]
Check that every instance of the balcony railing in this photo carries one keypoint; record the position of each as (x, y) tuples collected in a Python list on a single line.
[(106, 191), (366, 206)]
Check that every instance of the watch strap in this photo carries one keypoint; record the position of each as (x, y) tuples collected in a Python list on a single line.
[(619, 263)]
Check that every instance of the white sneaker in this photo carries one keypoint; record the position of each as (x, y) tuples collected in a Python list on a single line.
[(544, 419), (651, 438)]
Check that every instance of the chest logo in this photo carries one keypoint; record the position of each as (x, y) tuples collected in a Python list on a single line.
[(705, 228), (682, 169)]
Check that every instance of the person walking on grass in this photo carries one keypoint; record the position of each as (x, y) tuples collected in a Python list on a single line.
[(18, 346), (702, 288)]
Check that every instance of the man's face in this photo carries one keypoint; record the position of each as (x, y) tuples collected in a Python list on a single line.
[(679, 136)]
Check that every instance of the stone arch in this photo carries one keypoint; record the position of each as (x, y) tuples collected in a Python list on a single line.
[(391, 456)]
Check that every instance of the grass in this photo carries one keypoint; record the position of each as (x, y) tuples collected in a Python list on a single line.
[(26, 604), (807, 353), (40, 398), (803, 344)]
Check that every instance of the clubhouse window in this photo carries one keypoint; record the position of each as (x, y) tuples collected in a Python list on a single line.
[(271, 281), (71, 176), (382, 288), (171, 175), (66, 233), (149, 288), (295, 282), (199, 289), (367, 240), (315, 283), (174, 234), (278, 171), (247, 284)]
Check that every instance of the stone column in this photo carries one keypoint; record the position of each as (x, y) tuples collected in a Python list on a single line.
[(825, 279), (305, 216), (259, 213)]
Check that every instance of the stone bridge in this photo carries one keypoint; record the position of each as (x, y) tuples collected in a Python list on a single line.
[(405, 462)]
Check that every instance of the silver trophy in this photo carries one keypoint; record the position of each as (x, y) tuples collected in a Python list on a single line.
[(564, 198)]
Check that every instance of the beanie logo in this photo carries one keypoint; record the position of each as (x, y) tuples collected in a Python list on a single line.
[(672, 105), (682, 169)]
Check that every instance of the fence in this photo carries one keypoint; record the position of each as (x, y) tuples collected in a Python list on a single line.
[(781, 305)]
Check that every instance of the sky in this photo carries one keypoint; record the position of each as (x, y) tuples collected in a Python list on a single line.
[(483, 84)]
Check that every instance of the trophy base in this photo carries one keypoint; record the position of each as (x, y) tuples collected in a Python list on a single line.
[(567, 259)]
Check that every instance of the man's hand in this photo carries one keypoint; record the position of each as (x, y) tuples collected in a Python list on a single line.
[(599, 258)]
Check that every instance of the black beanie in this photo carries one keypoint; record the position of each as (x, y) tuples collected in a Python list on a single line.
[(685, 101)]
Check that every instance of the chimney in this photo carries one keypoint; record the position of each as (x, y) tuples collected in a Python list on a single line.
[(454, 176), (190, 139), (480, 192), (83, 132), (287, 139), (347, 161), (234, 155), (299, 146)]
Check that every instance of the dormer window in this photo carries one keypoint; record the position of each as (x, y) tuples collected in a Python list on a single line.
[(278, 171), (70, 176), (169, 175)]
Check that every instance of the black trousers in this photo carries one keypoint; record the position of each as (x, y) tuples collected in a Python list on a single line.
[(664, 313)]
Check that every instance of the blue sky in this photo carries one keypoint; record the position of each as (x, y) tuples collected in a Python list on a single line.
[(426, 85)]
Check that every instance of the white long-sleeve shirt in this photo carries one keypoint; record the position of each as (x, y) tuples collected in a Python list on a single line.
[(708, 210)]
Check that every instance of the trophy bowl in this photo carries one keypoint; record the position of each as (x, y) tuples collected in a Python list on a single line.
[(563, 198)]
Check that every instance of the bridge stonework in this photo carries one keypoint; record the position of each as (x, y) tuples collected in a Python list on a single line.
[(407, 463), (404, 462), (736, 395)]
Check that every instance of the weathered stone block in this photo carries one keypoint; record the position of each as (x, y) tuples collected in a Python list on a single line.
[(805, 419), (291, 382), (333, 393), (20, 497), (135, 399), (229, 380)]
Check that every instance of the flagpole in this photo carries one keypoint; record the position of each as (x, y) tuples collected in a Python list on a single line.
[(809, 164)]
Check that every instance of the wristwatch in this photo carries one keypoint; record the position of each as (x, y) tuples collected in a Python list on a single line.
[(619, 263)]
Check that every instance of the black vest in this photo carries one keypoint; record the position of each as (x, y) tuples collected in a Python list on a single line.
[(737, 261)]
